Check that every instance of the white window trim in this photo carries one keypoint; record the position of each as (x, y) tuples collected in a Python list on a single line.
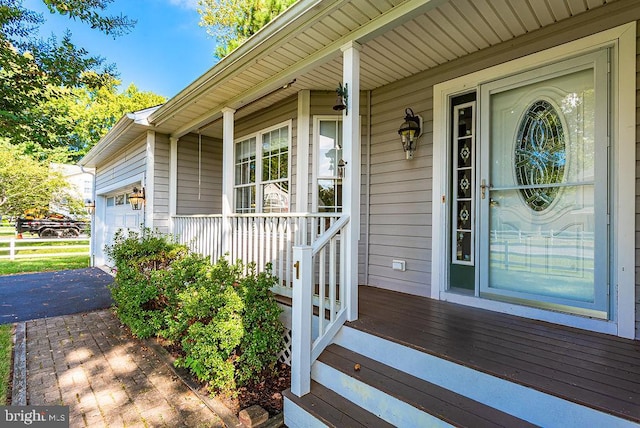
[(314, 155), (258, 136), (623, 92)]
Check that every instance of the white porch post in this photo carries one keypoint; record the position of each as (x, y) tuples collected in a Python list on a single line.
[(173, 181), (227, 176), (351, 182), (302, 167), (301, 318)]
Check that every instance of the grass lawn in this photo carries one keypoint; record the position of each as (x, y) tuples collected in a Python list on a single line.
[(43, 264), (5, 360)]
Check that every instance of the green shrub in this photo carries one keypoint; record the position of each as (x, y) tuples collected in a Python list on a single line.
[(214, 332), (229, 326), (226, 322), (263, 331), (139, 288)]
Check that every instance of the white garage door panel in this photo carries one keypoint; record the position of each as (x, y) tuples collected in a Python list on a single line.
[(117, 217)]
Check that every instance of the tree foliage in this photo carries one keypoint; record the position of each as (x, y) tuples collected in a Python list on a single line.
[(91, 112), (36, 72), (26, 184), (234, 21)]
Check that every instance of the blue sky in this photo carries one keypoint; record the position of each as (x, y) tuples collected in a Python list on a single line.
[(165, 52)]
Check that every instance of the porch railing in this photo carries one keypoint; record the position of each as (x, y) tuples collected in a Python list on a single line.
[(319, 287), (202, 233), (255, 238), (308, 255)]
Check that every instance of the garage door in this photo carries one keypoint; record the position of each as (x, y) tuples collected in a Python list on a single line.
[(118, 215)]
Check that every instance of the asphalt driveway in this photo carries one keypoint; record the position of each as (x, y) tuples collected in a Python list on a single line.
[(49, 294)]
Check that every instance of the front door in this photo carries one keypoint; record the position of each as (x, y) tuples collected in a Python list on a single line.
[(542, 187)]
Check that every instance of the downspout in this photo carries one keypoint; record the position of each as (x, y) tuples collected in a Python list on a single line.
[(367, 219), (173, 182)]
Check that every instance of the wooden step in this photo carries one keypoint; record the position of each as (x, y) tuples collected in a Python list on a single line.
[(426, 397), (332, 409)]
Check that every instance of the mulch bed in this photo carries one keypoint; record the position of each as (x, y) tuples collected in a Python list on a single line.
[(267, 394)]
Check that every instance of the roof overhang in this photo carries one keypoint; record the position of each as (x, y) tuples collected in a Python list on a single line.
[(129, 128), (302, 50), (286, 27)]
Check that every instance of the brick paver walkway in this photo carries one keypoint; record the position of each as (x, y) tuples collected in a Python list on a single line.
[(87, 362)]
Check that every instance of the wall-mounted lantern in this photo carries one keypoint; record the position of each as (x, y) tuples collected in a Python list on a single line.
[(90, 206), (409, 132), (342, 101), (341, 167), (136, 199)]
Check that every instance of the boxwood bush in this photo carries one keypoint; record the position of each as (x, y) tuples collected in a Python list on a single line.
[(225, 321)]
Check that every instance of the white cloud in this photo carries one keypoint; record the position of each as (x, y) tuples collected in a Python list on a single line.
[(187, 4)]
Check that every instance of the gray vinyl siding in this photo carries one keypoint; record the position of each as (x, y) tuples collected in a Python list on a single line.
[(127, 164), (199, 187), (400, 191), (161, 184)]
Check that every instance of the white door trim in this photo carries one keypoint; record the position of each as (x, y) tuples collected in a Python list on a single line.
[(623, 91)]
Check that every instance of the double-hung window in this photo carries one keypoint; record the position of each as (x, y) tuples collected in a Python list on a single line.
[(262, 171)]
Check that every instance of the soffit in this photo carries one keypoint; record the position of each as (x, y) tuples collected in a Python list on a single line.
[(432, 34)]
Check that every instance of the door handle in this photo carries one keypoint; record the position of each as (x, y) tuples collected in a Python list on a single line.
[(483, 188)]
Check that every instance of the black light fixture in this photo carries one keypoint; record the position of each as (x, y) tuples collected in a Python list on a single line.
[(341, 167), (409, 132), (136, 199), (90, 206), (342, 100)]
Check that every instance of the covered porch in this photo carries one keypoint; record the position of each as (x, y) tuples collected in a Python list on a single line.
[(399, 224)]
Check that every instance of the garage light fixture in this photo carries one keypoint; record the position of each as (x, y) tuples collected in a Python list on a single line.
[(409, 132), (136, 199), (90, 206)]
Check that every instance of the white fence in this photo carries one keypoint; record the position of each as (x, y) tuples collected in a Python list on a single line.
[(33, 248)]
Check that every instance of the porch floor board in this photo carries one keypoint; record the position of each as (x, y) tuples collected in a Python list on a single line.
[(334, 410), (596, 370)]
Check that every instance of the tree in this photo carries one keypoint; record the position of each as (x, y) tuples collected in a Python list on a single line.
[(234, 21), (26, 184), (35, 72), (91, 112)]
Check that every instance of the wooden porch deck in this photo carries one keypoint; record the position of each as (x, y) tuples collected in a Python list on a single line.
[(592, 369)]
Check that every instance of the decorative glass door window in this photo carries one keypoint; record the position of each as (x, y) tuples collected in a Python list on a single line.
[(463, 222), (540, 155)]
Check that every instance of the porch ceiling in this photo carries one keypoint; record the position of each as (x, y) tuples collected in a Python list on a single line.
[(399, 39)]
